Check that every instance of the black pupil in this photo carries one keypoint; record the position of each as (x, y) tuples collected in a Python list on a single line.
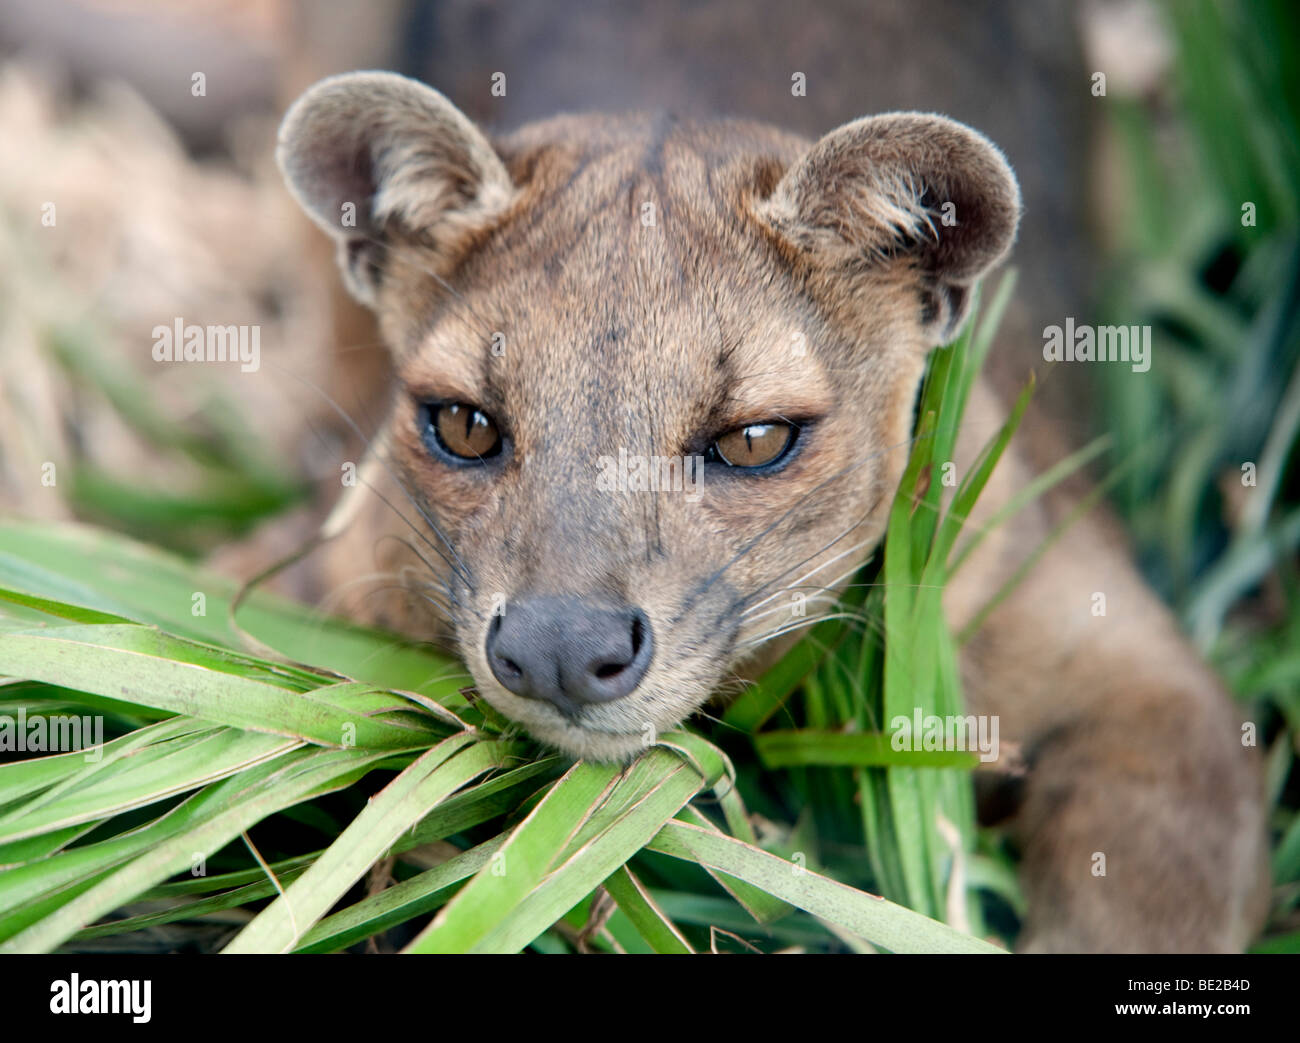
[(472, 417)]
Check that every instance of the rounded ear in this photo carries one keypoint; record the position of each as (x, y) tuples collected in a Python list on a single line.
[(369, 155), (904, 184)]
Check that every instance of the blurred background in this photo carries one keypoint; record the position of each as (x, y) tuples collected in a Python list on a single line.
[(1157, 144)]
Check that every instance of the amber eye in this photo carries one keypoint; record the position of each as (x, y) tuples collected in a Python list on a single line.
[(755, 445), (459, 433)]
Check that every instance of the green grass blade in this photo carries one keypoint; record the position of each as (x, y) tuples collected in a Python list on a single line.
[(786, 749), (389, 814), (142, 665), (651, 922), (894, 927), (206, 828), (397, 904), (526, 857)]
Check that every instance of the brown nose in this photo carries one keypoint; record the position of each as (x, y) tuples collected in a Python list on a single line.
[(569, 651)]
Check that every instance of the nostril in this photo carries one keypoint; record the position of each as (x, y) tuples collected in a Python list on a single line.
[(612, 668), (506, 668)]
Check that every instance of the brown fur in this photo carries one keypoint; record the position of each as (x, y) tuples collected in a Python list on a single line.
[(655, 339)]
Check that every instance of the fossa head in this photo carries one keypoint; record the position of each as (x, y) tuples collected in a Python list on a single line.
[(655, 378)]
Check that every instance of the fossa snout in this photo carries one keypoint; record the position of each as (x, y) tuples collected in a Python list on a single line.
[(568, 651)]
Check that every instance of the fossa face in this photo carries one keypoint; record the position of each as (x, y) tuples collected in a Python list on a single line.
[(655, 379)]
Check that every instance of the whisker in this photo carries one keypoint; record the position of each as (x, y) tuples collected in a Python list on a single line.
[(828, 592), (808, 575), (433, 575), (855, 617), (786, 514)]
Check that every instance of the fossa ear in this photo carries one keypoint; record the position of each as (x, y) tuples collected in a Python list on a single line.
[(373, 156), (905, 185)]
